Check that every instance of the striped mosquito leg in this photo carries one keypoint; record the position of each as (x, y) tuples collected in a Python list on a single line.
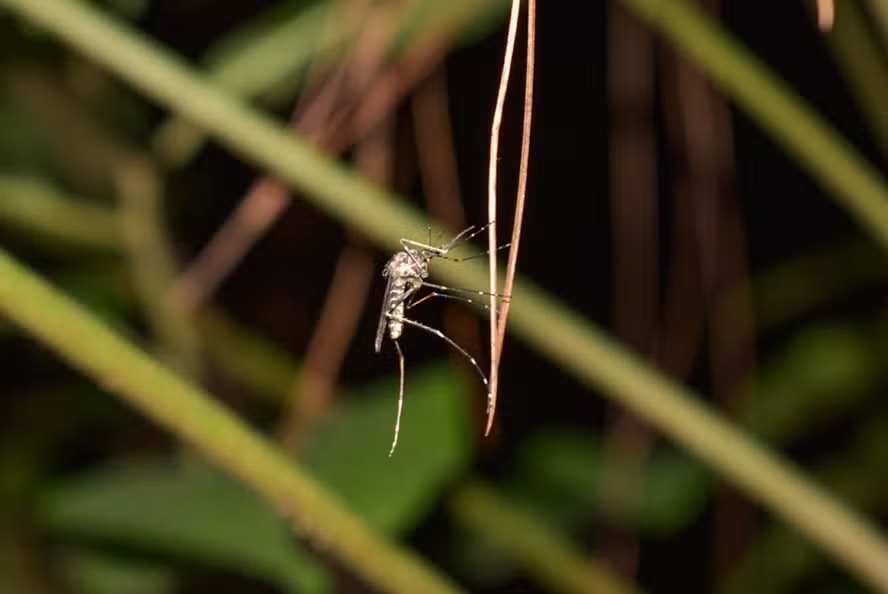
[(469, 291), (474, 257), (400, 398), (452, 297), (449, 341)]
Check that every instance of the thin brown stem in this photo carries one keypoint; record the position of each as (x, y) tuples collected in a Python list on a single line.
[(634, 216), (826, 14), (436, 153), (493, 169), (702, 135), (311, 392), (353, 100), (498, 322), (256, 212), (388, 89)]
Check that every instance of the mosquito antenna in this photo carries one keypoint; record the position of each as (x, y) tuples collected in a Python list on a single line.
[(400, 397), (466, 234), (467, 258), (449, 341), (430, 251)]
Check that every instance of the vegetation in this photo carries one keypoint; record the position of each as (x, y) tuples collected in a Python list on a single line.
[(150, 242)]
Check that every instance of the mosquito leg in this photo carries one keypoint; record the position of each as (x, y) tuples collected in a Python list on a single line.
[(400, 397), (449, 341), (446, 296), (465, 235), (439, 250), (476, 256), (459, 290)]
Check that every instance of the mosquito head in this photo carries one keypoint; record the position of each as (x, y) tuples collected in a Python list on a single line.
[(408, 264)]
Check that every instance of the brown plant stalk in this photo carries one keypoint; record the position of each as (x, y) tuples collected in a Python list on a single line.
[(498, 319)]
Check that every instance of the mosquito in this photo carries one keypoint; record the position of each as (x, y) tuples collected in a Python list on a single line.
[(407, 272)]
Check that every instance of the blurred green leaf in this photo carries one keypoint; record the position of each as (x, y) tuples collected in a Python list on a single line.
[(199, 515), (129, 9), (20, 148), (98, 285), (567, 472), (806, 284), (95, 573), (821, 372), (193, 513), (350, 450)]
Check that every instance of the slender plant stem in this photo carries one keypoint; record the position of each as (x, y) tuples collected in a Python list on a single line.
[(262, 60), (492, 179), (512, 263), (879, 11), (855, 184), (826, 14), (547, 325), (546, 555), (194, 416), (152, 262), (864, 65), (258, 63), (35, 207)]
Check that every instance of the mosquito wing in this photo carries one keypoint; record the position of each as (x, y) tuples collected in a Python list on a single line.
[(383, 318)]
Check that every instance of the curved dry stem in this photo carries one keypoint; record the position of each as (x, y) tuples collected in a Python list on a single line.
[(493, 169), (310, 393), (334, 127), (512, 263), (826, 14)]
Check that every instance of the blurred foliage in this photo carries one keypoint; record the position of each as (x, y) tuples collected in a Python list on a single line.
[(822, 373), (194, 514), (93, 502), (574, 476)]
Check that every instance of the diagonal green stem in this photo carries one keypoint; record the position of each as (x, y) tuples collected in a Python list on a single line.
[(196, 418), (550, 327), (152, 262), (35, 207), (547, 555), (856, 186), (864, 65)]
